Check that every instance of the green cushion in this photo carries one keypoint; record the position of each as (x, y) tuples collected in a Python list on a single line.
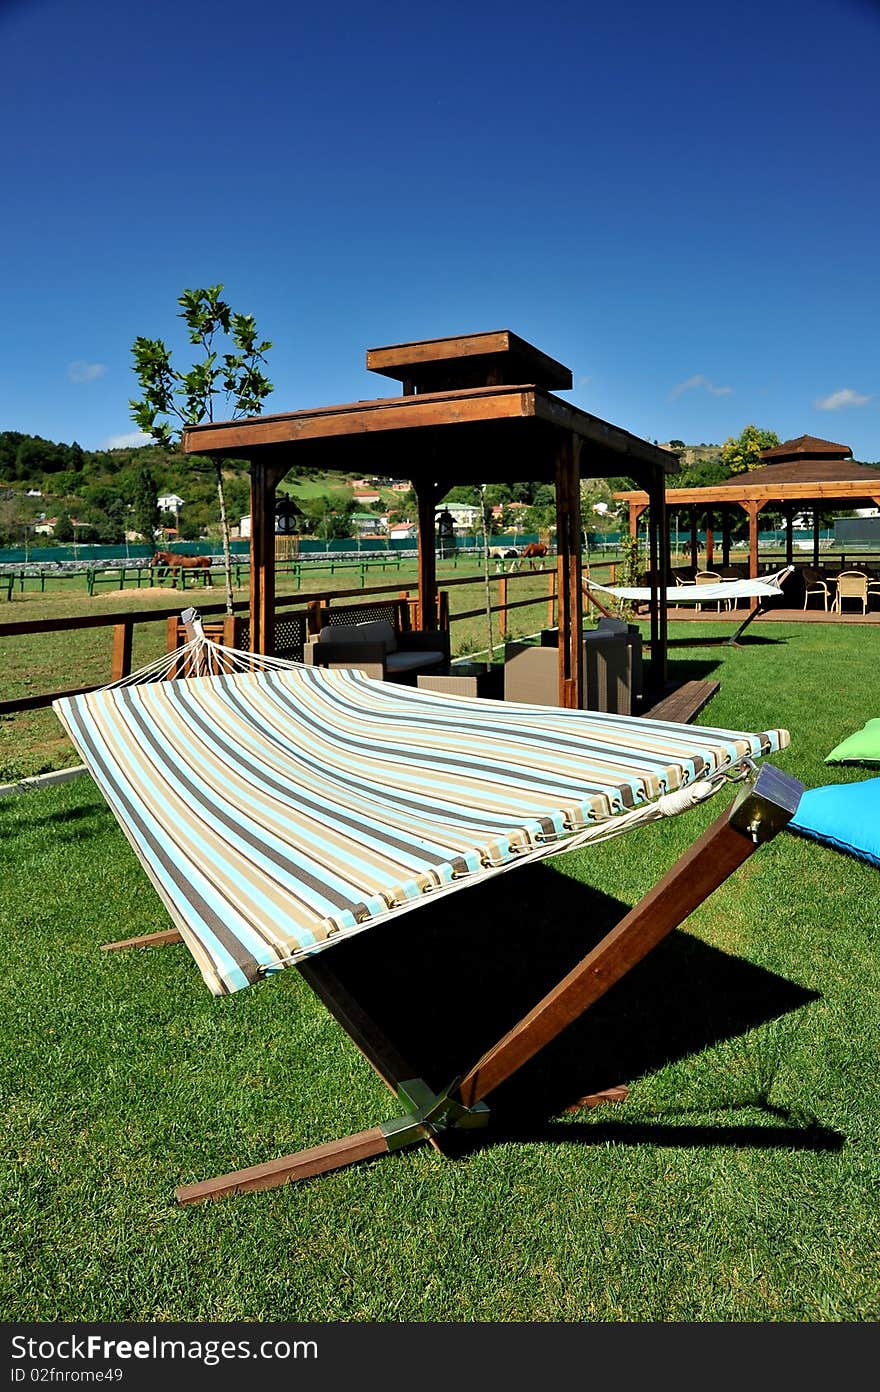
[(861, 748)]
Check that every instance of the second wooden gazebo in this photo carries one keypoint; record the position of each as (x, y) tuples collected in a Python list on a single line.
[(805, 473), (475, 409)]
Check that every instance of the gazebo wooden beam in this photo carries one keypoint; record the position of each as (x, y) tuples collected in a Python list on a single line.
[(427, 497), (434, 410), (743, 493), (262, 569), (725, 536), (660, 568), (569, 589), (753, 508)]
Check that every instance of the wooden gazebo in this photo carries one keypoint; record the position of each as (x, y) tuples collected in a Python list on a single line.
[(805, 473), (475, 409)]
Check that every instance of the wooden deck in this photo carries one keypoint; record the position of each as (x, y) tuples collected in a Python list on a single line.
[(687, 614), (684, 704)]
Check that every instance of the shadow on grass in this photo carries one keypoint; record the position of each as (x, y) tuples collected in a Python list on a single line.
[(691, 669), (445, 983), (67, 824), (807, 1136), (748, 640)]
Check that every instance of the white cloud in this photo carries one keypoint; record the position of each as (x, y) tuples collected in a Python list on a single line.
[(134, 437), (837, 400), (81, 371), (699, 380)]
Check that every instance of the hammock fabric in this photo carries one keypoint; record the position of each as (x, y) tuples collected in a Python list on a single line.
[(767, 588), (279, 811)]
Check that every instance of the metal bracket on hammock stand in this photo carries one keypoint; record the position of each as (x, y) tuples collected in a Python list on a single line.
[(430, 1113)]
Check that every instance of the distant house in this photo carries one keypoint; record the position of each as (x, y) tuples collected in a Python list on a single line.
[(368, 523), (402, 531), (463, 515), (170, 502), (363, 496)]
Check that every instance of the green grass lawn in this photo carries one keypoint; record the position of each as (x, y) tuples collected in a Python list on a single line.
[(739, 1182)]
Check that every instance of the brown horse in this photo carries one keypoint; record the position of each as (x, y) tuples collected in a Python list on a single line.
[(168, 562), (535, 551)]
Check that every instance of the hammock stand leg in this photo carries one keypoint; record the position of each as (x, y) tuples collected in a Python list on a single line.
[(750, 618), (732, 641), (757, 815), (167, 935)]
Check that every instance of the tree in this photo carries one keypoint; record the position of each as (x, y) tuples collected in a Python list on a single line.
[(744, 453), (63, 529), (329, 514), (188, 398), (145, 505)]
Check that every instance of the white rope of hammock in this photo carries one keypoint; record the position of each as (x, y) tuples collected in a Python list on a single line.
[(203, 657)]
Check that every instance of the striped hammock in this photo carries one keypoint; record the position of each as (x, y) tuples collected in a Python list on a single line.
[(278, 811), (769, 586)]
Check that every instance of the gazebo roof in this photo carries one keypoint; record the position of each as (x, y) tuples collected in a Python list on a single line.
[(483, 434), (804, 473), (807, 480), (806, 447), (470, 360)]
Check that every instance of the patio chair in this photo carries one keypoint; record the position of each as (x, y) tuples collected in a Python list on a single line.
[(376, 650), (851, 584), (280, 809), (711, 577), (815, 584)]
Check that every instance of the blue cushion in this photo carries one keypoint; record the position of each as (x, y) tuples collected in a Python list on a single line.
[(843, 815)]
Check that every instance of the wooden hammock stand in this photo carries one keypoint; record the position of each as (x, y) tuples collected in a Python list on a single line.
[(758, 813)]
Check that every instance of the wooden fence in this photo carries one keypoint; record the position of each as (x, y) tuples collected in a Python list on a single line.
[(123, 624)]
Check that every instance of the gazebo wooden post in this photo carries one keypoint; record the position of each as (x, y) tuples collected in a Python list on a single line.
[(426, 498), (262, 590), (816, 537), (635, 512), (710, 541), (753, 507), (788, 512), (570, 601), (660, 569), (725, 536), (695, 540)]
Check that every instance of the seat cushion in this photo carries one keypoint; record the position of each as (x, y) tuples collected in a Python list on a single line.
[(372, 631), (863, 747), (410, 661), (843, 815)]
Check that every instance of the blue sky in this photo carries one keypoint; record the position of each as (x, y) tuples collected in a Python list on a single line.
[(679, 202)]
